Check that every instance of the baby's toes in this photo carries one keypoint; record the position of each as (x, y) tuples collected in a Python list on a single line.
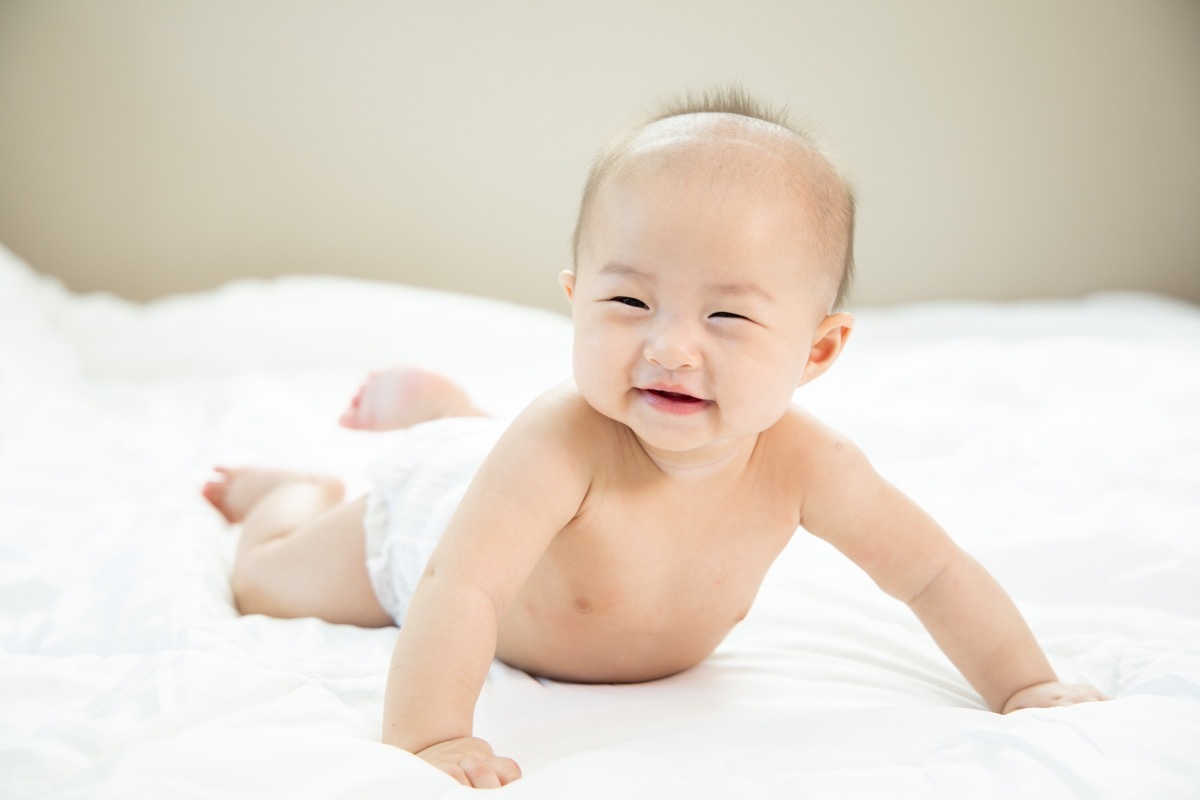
[(216, 492), (352, 417)]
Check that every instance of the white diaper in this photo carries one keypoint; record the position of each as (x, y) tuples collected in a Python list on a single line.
[(415, 491)]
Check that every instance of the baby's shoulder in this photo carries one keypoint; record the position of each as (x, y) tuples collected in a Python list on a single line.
[(542, 444), (561, 409), (560, 418), (809, 449), (800, 433), (822, 460)]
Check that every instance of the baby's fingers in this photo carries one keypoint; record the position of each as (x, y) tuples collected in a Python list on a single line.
[(472, 762), (491, 773), (507, 770), (1052, 694)]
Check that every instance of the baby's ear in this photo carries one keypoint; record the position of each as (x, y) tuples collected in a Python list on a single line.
[(566, 279), (827, 345)]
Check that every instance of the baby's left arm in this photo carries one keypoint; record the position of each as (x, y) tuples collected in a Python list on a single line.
[(979, 628), (910, 557)]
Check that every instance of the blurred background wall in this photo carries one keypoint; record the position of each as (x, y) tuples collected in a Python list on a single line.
[(1000, 149)]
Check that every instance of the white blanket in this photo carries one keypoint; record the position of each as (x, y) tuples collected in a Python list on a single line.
[(1059, 442)]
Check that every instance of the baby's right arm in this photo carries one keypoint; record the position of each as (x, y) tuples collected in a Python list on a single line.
[(528, 489)]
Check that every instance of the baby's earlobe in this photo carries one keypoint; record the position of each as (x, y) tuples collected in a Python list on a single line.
[(827, 346), (566, 279)]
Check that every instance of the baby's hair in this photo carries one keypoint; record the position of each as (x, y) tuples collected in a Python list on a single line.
[(724, 100), (837, 246)]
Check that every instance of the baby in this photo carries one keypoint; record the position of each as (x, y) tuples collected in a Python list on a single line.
[(622, 524)]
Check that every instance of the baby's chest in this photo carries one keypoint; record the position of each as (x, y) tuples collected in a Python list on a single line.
[(692, 558)]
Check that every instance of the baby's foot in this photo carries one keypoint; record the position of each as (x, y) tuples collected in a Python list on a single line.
[(399, 398), (239, 489)]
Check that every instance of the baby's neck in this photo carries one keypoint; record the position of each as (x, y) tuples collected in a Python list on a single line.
[(716, 460)]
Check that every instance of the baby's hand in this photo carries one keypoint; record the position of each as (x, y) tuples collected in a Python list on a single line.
[(1052, 693), (472, 762)]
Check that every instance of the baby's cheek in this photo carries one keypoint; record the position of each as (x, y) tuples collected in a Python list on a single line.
[(769, 401)]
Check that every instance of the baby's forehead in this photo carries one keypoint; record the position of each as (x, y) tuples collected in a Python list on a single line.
[(731, 148), (733, 158)]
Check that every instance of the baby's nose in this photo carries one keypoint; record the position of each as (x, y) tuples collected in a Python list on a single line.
[(672, 350)]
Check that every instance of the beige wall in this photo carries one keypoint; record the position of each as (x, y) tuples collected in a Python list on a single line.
[(1000, 149)]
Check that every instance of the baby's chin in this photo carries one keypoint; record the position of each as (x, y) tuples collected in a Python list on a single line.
[(689, 449)]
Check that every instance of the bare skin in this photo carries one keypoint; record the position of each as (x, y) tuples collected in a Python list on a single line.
[(573, 618), (237, 490), (588, 618), (295, 525), (298, 554), (624, 522), (399, 398)]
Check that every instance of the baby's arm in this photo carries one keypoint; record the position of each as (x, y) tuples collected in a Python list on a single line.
[(908, 554), (528, 489)]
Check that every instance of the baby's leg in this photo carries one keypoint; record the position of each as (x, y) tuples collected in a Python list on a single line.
[(302, 550), (399, 398)]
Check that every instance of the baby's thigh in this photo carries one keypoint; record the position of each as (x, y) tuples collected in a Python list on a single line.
[(320, 570)]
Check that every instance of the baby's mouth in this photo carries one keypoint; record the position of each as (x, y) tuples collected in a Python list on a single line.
[(675, 397)]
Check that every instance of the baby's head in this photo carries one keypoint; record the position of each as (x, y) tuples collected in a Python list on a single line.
[(713, 244), (728, 142)]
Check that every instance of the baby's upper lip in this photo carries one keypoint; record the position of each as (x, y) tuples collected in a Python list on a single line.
[(671, 388)]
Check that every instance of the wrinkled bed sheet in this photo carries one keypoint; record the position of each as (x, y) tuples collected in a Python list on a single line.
[(1058, 441)]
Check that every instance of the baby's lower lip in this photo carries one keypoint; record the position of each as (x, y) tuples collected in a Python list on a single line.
[(674, 402)]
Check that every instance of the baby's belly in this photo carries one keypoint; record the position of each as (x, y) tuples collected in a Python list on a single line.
[(571, 642)]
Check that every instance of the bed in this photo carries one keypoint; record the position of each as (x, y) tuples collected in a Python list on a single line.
[(1059, 441)]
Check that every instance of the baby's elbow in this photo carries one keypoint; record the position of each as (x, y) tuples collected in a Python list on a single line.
[(930, 581), (911, 594), (454, 589)]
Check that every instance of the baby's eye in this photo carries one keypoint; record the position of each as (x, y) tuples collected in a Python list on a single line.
[(726, 315), (630, 301)]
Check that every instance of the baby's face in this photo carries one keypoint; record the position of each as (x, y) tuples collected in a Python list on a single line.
[(695, 307)]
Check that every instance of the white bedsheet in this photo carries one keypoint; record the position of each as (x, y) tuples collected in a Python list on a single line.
[(1058, 441)]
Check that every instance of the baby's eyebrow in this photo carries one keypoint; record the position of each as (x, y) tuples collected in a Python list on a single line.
[(736, 289), (625, 271), (742, 289)]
